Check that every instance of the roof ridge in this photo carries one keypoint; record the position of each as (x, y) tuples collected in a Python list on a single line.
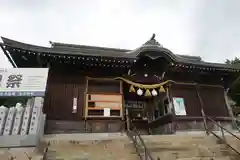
[(13, 42), (68, 45)]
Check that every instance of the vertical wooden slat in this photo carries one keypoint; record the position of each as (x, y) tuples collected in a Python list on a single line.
[(192, 105), (214, 102), (62, 88)]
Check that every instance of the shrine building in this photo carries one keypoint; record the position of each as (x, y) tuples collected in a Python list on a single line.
[(98, 89)]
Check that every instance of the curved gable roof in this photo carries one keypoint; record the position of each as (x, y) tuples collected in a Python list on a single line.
[(151, 49)]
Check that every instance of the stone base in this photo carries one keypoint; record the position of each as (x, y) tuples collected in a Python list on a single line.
[(8, 141), (88, 126)]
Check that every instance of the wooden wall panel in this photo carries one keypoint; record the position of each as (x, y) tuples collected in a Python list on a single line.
[(191, 100), (61, 89), (212, 96), (213, 101)]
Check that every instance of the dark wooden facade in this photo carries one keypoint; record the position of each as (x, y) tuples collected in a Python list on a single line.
[(207, 97), (212, 98), (62, 87), (201, 84)]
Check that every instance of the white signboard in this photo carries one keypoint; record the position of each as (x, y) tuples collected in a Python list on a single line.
[(23, 81), (107, 112), (74, 109), (179, 106)]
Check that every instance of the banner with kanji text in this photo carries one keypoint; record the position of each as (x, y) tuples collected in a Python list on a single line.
[(23, 82)]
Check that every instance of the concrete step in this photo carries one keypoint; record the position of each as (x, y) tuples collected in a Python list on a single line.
[(205, 158), (179, 138), (117, 146), (176, 155), (185, 140), (111, 149), (186, 146), (57, 139), (181, 154)]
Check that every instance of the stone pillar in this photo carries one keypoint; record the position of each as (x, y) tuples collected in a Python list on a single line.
[(18, 119), (3, 117)]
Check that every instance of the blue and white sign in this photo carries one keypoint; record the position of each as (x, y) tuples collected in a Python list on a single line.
[(179, 106), (23, 82)]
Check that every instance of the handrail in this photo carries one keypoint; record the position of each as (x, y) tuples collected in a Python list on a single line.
[(223, 128), (133, 134), (222, 139), (225, 142), (46, 151)]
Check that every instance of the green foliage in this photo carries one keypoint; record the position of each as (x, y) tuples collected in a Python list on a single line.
[(234, 61), (235, 90), (11, 101)]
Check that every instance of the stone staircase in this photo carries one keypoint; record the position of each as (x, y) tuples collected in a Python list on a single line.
[(190, 147), (118, 147), (90, 147)]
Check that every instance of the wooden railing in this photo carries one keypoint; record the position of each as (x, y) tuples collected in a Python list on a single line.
[(222, 139)]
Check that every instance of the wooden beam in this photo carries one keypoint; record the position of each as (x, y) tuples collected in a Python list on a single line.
[(200, 85)]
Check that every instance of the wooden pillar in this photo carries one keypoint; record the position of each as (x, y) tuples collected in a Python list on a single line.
[(172, 109), (127, 119), (169, 97)]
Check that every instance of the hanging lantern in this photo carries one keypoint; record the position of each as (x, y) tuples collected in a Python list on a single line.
[(132, 89), (161, 89), (139, 92), (154, 92), (147, 93)]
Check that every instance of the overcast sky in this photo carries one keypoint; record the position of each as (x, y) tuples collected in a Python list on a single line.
[(206, 28)]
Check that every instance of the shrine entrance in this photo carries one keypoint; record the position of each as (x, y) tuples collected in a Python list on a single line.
[(146, 109)]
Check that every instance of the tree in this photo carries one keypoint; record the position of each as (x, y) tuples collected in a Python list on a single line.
[(235, 89), (234, 61)]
